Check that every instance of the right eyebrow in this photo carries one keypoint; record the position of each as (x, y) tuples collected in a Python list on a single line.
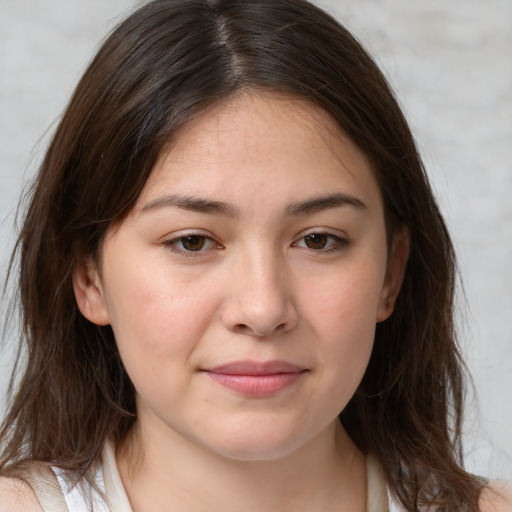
[(194, 204)]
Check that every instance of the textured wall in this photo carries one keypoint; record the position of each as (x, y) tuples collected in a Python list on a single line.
[(451, 64)]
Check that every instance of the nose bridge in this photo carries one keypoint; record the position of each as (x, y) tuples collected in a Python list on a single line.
[(260, 298)]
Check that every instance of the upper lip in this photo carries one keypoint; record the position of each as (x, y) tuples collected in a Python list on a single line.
[(255, 368)]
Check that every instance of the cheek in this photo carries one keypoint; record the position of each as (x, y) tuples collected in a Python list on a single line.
[(347, 301), (343, 314), (157, 328), (156, 319)]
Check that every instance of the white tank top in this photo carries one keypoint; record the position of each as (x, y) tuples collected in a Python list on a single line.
[(83, 497)]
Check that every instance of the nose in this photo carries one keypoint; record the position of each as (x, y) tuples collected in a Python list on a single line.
[(260, 299)]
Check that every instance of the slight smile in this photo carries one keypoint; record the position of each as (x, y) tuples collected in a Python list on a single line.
[(256, 379)]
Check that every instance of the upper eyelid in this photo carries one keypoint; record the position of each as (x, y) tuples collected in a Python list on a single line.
[(169, 237), (337, 233), (328, 235), (309, 231)]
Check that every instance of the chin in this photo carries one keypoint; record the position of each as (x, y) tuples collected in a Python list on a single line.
[(256, 444)]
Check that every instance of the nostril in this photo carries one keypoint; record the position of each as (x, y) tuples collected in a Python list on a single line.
[(258, 317), (242, 329), (281, 327), (245, 329)]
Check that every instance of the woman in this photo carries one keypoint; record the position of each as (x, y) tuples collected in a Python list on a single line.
[(236, 286)]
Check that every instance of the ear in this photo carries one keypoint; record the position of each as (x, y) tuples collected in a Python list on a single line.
[(89, 293), (395, 271)]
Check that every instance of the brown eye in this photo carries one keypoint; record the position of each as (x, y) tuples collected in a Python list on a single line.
[(322, 243), (316, 241), (192, 243)]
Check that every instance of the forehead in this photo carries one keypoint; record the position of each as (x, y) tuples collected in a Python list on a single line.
[(251, 112), (257, 140)]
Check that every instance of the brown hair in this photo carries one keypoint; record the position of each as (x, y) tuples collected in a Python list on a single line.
[(161, 68)]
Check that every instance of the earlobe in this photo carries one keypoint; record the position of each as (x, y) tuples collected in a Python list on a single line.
[(395, 272), (89, 293)]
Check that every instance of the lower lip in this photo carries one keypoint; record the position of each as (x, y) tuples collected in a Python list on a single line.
[(256, 385)]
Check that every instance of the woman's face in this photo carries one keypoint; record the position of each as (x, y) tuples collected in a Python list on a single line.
[(244, 287)]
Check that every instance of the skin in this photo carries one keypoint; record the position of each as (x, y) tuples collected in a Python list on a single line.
[(257, 289), (283, 274)]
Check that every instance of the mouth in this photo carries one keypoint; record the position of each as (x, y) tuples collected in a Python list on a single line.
[(256, 379)]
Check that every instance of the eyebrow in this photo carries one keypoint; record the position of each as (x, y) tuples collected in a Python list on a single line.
[(317, 204), (194, 204), (212, 207)]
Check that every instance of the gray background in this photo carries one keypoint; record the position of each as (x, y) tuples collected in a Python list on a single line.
[(451, 65)]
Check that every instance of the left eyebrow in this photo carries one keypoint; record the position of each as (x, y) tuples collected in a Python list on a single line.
[(317, 204)]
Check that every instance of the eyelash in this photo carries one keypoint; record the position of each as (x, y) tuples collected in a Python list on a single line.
[(337, 243), (173, 244)]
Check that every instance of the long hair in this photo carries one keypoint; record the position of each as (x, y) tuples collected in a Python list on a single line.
[(164, 66)]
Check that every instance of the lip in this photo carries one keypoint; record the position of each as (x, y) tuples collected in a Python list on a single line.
[(255, 378)]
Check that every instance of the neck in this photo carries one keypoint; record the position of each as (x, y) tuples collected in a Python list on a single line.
[(160, 469)]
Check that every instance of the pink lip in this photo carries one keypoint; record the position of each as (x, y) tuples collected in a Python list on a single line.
[(256, 379)]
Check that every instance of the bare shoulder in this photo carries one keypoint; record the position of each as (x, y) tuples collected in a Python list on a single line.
[(497, 497), (17, 496)]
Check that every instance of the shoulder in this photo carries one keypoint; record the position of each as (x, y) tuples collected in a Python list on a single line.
[(496, 497), (17, 496)]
